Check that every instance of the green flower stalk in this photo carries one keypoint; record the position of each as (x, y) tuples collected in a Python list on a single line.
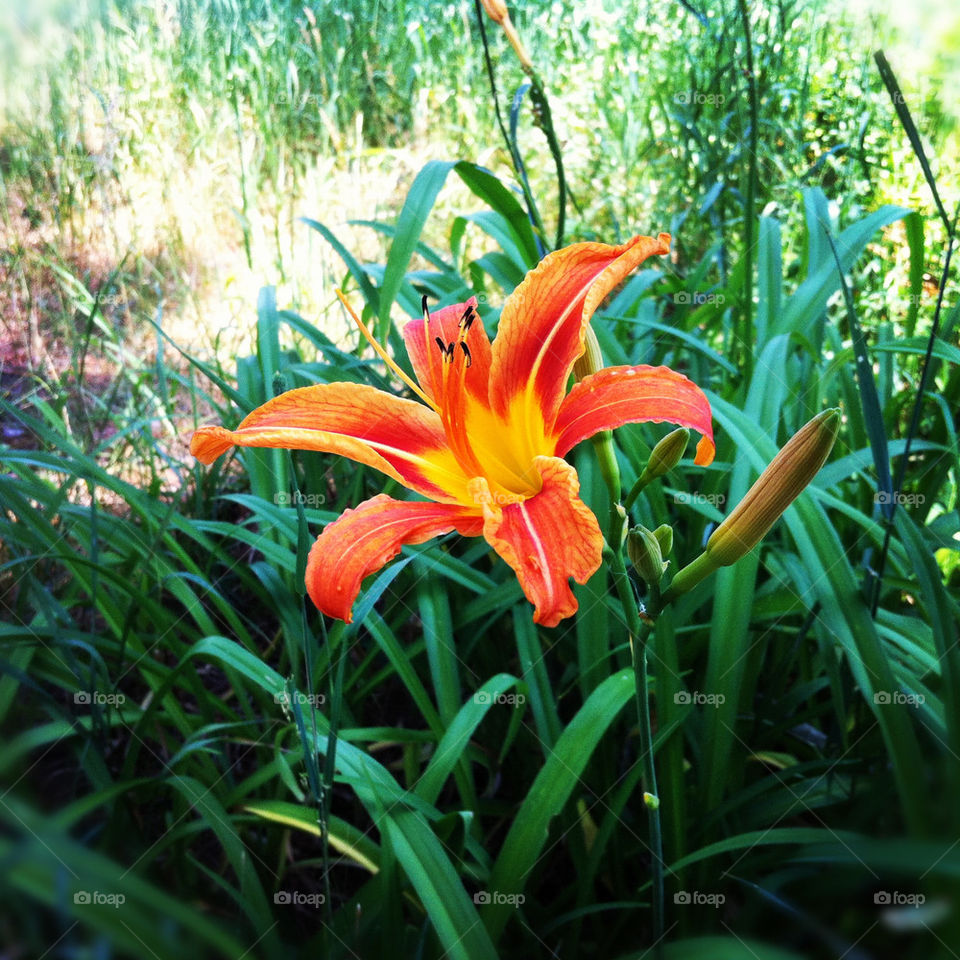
[(590, 362), (775, 489)]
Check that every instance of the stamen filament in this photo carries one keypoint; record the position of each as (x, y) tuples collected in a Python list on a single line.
[(453, 424), (427, 352), (387, 359)]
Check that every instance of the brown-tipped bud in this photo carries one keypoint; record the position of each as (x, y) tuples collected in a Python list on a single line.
[(496, 10), (775, 489), (664, 537), (666, 454), (643, 549), (591, 360)]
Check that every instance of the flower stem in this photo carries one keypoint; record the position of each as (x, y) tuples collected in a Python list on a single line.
[(541, 105), (639, 631), (638, 653), (515, 157)]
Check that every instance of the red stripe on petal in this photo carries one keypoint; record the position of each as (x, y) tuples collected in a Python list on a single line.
[(619, 395), (546, 539), (542, 324), (365, 538)]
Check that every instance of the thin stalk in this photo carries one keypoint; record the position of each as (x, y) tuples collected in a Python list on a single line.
[(515, 157), (330, 762), (541, 106), (900, 475), (747, 336), (639, 631)]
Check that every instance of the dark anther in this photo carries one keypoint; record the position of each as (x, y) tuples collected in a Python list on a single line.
[(446, 349), (468, 317), (423, 307), (466, 352)]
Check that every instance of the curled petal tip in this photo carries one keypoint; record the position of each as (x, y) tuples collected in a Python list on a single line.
[(211, 442), (706, 450)]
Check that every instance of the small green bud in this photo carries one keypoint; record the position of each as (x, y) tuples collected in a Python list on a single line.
[(653, 802), (664, 535), (643, 549), (666, 454)]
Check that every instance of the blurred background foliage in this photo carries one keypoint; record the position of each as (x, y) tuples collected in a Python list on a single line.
[(159, 669), (170, 148)]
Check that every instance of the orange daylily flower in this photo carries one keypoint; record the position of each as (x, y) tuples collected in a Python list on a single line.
[(486, 445)]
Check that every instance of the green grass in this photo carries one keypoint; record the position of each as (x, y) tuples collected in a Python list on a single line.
[(442, 778)]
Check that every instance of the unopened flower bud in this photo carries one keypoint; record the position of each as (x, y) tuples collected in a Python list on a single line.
[(591, 360), (496, 10), (776, 488), (643, 549), (652, 801), (666, 454), (664, 537), (498, 13)]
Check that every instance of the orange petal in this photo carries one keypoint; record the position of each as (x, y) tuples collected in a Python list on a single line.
[(542, 325), (362, 540), (425, 354), (547, 538), (619, 395), (401, 438)]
